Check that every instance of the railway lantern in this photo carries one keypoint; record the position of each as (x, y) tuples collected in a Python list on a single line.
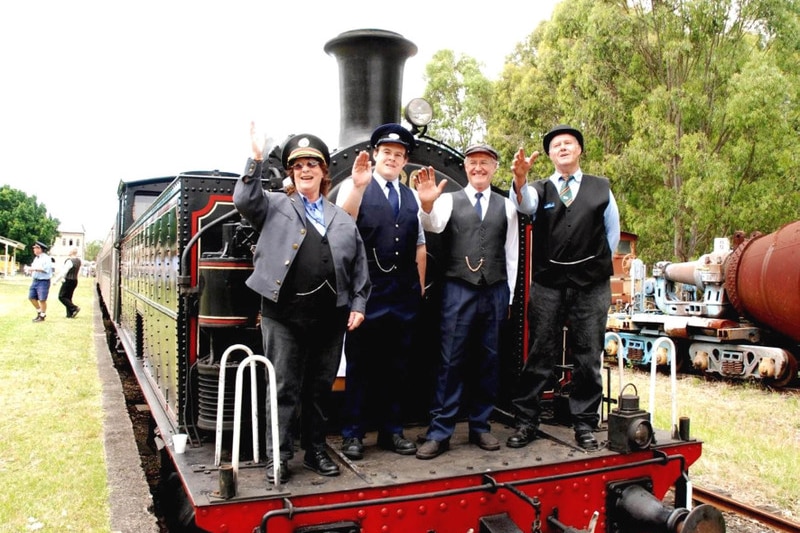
[(419, 113), (629, 427)]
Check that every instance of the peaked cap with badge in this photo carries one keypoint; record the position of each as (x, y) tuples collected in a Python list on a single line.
[(392, 133), (304, 145)]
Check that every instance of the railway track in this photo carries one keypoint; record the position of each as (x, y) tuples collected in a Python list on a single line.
[(724, 503)]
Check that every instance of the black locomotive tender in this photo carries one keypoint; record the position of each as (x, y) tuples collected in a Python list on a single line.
[(171, 278)]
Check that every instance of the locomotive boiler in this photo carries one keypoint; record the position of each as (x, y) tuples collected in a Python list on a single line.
[(172, 281), (732, 313)]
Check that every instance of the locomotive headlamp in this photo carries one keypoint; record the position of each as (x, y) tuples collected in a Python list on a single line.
[(629, 427), (419, 112)]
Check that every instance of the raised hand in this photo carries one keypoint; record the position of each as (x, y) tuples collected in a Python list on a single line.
[(520, 167), (427, 189), (257, 142), (362, 170)]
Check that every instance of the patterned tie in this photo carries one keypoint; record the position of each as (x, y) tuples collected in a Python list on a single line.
[(565, 193), (394, 201), (478, 208)]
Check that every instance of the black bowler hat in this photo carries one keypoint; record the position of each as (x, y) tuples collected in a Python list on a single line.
[(392, 133), (304, 145), (481, 148), (558, 130), (41, 245)]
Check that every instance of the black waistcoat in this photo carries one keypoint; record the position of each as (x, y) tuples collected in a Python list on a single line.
[(476, 249), (570, 246), (73, 272), (309, 289)]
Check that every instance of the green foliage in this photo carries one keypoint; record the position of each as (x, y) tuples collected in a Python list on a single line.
[(460, 95), (92, 249), (24, 219), (689, 107)]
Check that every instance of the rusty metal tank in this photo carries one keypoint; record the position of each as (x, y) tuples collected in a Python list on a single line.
[(762, 279)]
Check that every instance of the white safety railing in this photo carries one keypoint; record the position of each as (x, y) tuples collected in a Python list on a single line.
[(273, 411), (620, 362), (252, 361), (223, 364), (671, 358)]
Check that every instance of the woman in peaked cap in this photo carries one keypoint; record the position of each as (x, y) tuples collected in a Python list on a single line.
[(310, 269)]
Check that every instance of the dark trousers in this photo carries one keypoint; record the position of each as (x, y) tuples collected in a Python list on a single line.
[(549, 309), (306, 359), (65, 295), (470, 339), (377, 356)]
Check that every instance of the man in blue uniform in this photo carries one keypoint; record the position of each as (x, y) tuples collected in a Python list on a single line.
[(387, 215)]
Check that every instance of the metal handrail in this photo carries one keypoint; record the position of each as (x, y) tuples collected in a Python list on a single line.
[(221, 401), (673, 382), (272, 398)]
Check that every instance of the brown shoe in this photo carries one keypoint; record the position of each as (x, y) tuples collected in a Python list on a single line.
[(432, 448), (485, 441)]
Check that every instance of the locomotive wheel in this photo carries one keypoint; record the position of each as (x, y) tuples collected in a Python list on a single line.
[(789, 376)]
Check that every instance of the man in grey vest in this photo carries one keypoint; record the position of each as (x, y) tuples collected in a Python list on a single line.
[(575, 231), (480, 241)]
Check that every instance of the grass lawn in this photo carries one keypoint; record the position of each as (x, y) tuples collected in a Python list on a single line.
[(52, 463)]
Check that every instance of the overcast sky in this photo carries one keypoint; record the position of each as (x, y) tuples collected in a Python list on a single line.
[(95, 92)]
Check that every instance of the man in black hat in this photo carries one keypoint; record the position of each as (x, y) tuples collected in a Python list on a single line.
[(575, 231), (480, 233), (387, 214), (41, 271)]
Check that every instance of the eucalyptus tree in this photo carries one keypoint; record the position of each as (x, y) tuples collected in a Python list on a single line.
[(689, 106), (460, 95)]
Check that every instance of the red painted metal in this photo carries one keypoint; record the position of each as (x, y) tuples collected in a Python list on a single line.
[(763, 279), (576, 489)]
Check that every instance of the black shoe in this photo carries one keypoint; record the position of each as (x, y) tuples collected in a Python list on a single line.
[(485, 441), (586, 440), (353, 448), (522, 437), (283, 471), (432, 448), (320, 462), (397, 443), (39, 318), (75, 312)]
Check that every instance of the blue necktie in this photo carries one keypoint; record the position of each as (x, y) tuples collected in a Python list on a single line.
[(394, 201), (478, 208)]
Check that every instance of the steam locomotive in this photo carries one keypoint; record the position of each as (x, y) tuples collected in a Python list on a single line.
[(171, 280)]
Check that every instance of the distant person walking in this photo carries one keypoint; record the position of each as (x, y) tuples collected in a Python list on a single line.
[(41, 271), (69, 273)]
